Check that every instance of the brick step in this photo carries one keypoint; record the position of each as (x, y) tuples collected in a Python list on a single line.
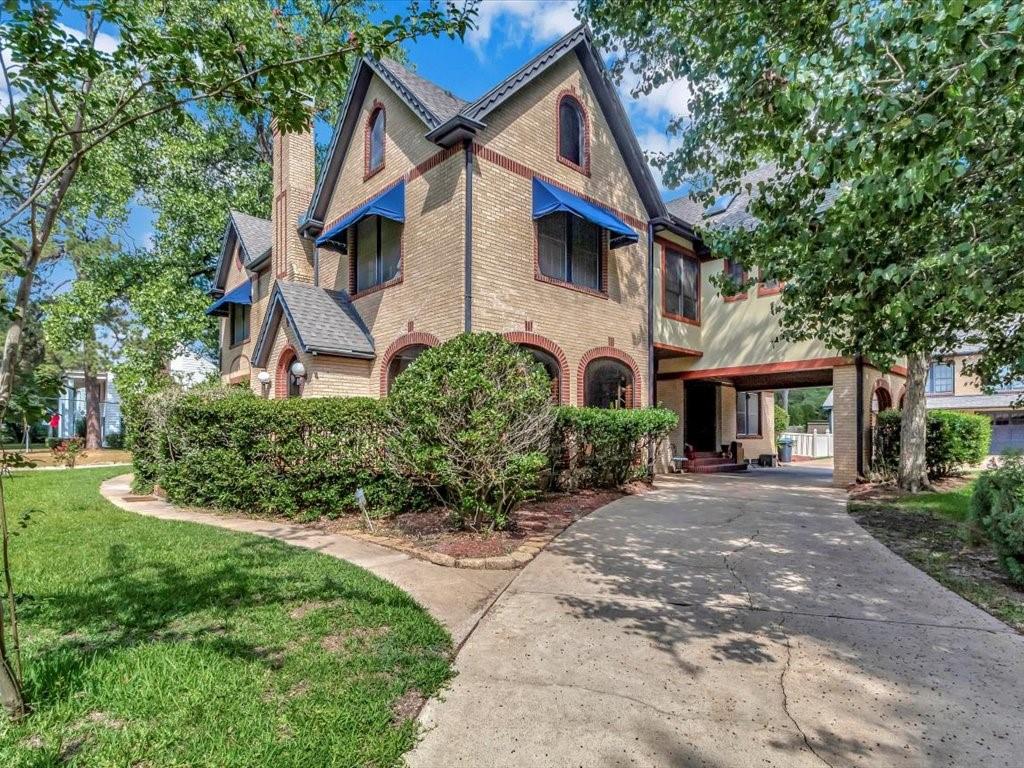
[(707, 454), (710, 462), (715, 468)]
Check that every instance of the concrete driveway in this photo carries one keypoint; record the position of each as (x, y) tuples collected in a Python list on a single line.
[(730, 621)]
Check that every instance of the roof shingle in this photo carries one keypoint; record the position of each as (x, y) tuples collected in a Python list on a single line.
[(256, 235)]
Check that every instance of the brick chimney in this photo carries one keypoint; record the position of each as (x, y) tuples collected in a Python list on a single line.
[(294, 178)]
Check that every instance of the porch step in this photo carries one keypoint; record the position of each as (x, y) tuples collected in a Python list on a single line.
[(710, 461), (711, 469), (707, 454)]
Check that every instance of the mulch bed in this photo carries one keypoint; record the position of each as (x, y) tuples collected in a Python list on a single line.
[(431, 530), (890, 492)]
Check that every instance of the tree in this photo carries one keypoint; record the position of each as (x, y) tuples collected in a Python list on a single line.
[(891, 138), (68, 98), (86, 326)]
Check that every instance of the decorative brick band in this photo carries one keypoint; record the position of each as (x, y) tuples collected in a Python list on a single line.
[(528, 339), (514, 166), (616, 354), (416, 338)]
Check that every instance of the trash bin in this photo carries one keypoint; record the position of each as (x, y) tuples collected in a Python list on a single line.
[(786, 449)]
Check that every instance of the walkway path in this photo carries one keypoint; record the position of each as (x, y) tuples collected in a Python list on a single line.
[(729, 621), (454, 596)]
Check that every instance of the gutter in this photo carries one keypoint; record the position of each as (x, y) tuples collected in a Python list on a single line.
[(467, 267)]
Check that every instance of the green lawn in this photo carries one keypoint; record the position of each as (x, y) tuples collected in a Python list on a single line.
[(156, 644), (933, 531)]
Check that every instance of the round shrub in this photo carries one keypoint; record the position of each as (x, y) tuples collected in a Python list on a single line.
[(471, 420), (781, 419), (954, 440), (997, 508)]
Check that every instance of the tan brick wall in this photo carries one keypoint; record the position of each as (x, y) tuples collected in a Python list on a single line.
[(234, 360), (754, 446), (326, 376), (506, 293), (294, 179), (844, 417)]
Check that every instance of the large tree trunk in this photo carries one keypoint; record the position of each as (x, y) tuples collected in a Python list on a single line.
[(93, 424), (913, 472)]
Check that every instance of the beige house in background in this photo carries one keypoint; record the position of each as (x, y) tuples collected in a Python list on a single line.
[(530, 212)]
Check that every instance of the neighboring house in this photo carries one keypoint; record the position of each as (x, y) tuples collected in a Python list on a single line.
[(949, 387), (187, 369), (529, 211), (71, 405)]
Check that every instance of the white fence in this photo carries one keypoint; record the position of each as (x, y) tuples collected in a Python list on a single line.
[(816, 445)]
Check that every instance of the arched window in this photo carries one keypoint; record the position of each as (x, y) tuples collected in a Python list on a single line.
[(375, 141), (551, 368), (402, 360), (572, 139), (288, 384), (608, 383)]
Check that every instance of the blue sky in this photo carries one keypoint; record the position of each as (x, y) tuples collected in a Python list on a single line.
[(508, 33)]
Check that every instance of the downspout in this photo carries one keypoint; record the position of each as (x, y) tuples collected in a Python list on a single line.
[(651, 372), (859, 366), (316, 265), (467, 299)]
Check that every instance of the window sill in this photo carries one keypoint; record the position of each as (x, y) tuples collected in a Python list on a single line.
[(374, 289), (681, 318), (238, 344), (762, 291), (945, 393), (749, 437), (369, 174), (584, 169), (542, 278), (737, 297)]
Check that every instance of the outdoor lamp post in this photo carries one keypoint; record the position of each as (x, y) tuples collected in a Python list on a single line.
[(264, 378)]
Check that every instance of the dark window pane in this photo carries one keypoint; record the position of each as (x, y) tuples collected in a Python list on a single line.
[(691, 289), (748, 413), (681, 281), (551, 243), (586, 254), (390, 248), (570, 132), (377, 141), (366, 253), (551, 368), (239, 316), (608, 384)]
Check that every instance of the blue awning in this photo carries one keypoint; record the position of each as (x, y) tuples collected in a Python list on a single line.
[(547, 198), (389, 204), (240, 295)]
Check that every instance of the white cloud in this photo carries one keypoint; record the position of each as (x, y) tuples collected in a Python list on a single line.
[(104, 42), (655, 143), (670, 99), (520, 21)]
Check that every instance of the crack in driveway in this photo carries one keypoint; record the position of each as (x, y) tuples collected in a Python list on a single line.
[(732, 571), (785, 696)]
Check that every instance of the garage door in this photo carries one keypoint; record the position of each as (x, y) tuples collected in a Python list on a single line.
[(1007, 432)]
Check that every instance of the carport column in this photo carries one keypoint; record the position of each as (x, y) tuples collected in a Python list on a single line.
[(844, 425)]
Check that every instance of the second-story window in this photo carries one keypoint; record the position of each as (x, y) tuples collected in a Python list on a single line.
[(569, 250), (239, 317), (375, 148), (378, 257), (940, 379), (571, 132), (682, 286)]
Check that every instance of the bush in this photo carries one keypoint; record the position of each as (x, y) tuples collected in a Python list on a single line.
[(781, 419), (233, 450), (68, 452), (599, 447), (471, 420), (115, 440), (997, 508), (954, 439)]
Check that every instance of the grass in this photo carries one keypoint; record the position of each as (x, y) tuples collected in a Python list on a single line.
[(933, 531), (157, 644)]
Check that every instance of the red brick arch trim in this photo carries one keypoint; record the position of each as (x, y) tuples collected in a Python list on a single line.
[(287, 357), (884, 394), (615, 354), (903, 397), (368, 171), (414, 338), (528, 339), (570, 94)]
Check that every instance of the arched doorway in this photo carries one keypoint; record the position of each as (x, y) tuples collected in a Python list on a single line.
[(288, 383), (608, 383)]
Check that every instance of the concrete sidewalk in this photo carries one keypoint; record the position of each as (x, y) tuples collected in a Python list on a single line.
[(454, 596), (729, 621)]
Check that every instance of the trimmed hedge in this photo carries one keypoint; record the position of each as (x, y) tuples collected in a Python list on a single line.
[(233, 450), (997, 508), (954, 439), (598, 447)]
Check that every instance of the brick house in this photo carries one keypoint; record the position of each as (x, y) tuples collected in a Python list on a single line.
[(531, 212)]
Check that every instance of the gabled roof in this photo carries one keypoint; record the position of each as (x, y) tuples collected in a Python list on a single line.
[(253, 234), (448, 118), (324, 322)]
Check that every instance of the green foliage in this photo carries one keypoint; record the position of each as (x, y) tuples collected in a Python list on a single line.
[(471, 420), (805, 405), (781, 419), (233, 450), (128, 624), (68, 452), (997, 507), (597, 447), (954, 440)]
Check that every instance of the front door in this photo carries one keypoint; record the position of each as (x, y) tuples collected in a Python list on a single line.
[(700, 407)]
